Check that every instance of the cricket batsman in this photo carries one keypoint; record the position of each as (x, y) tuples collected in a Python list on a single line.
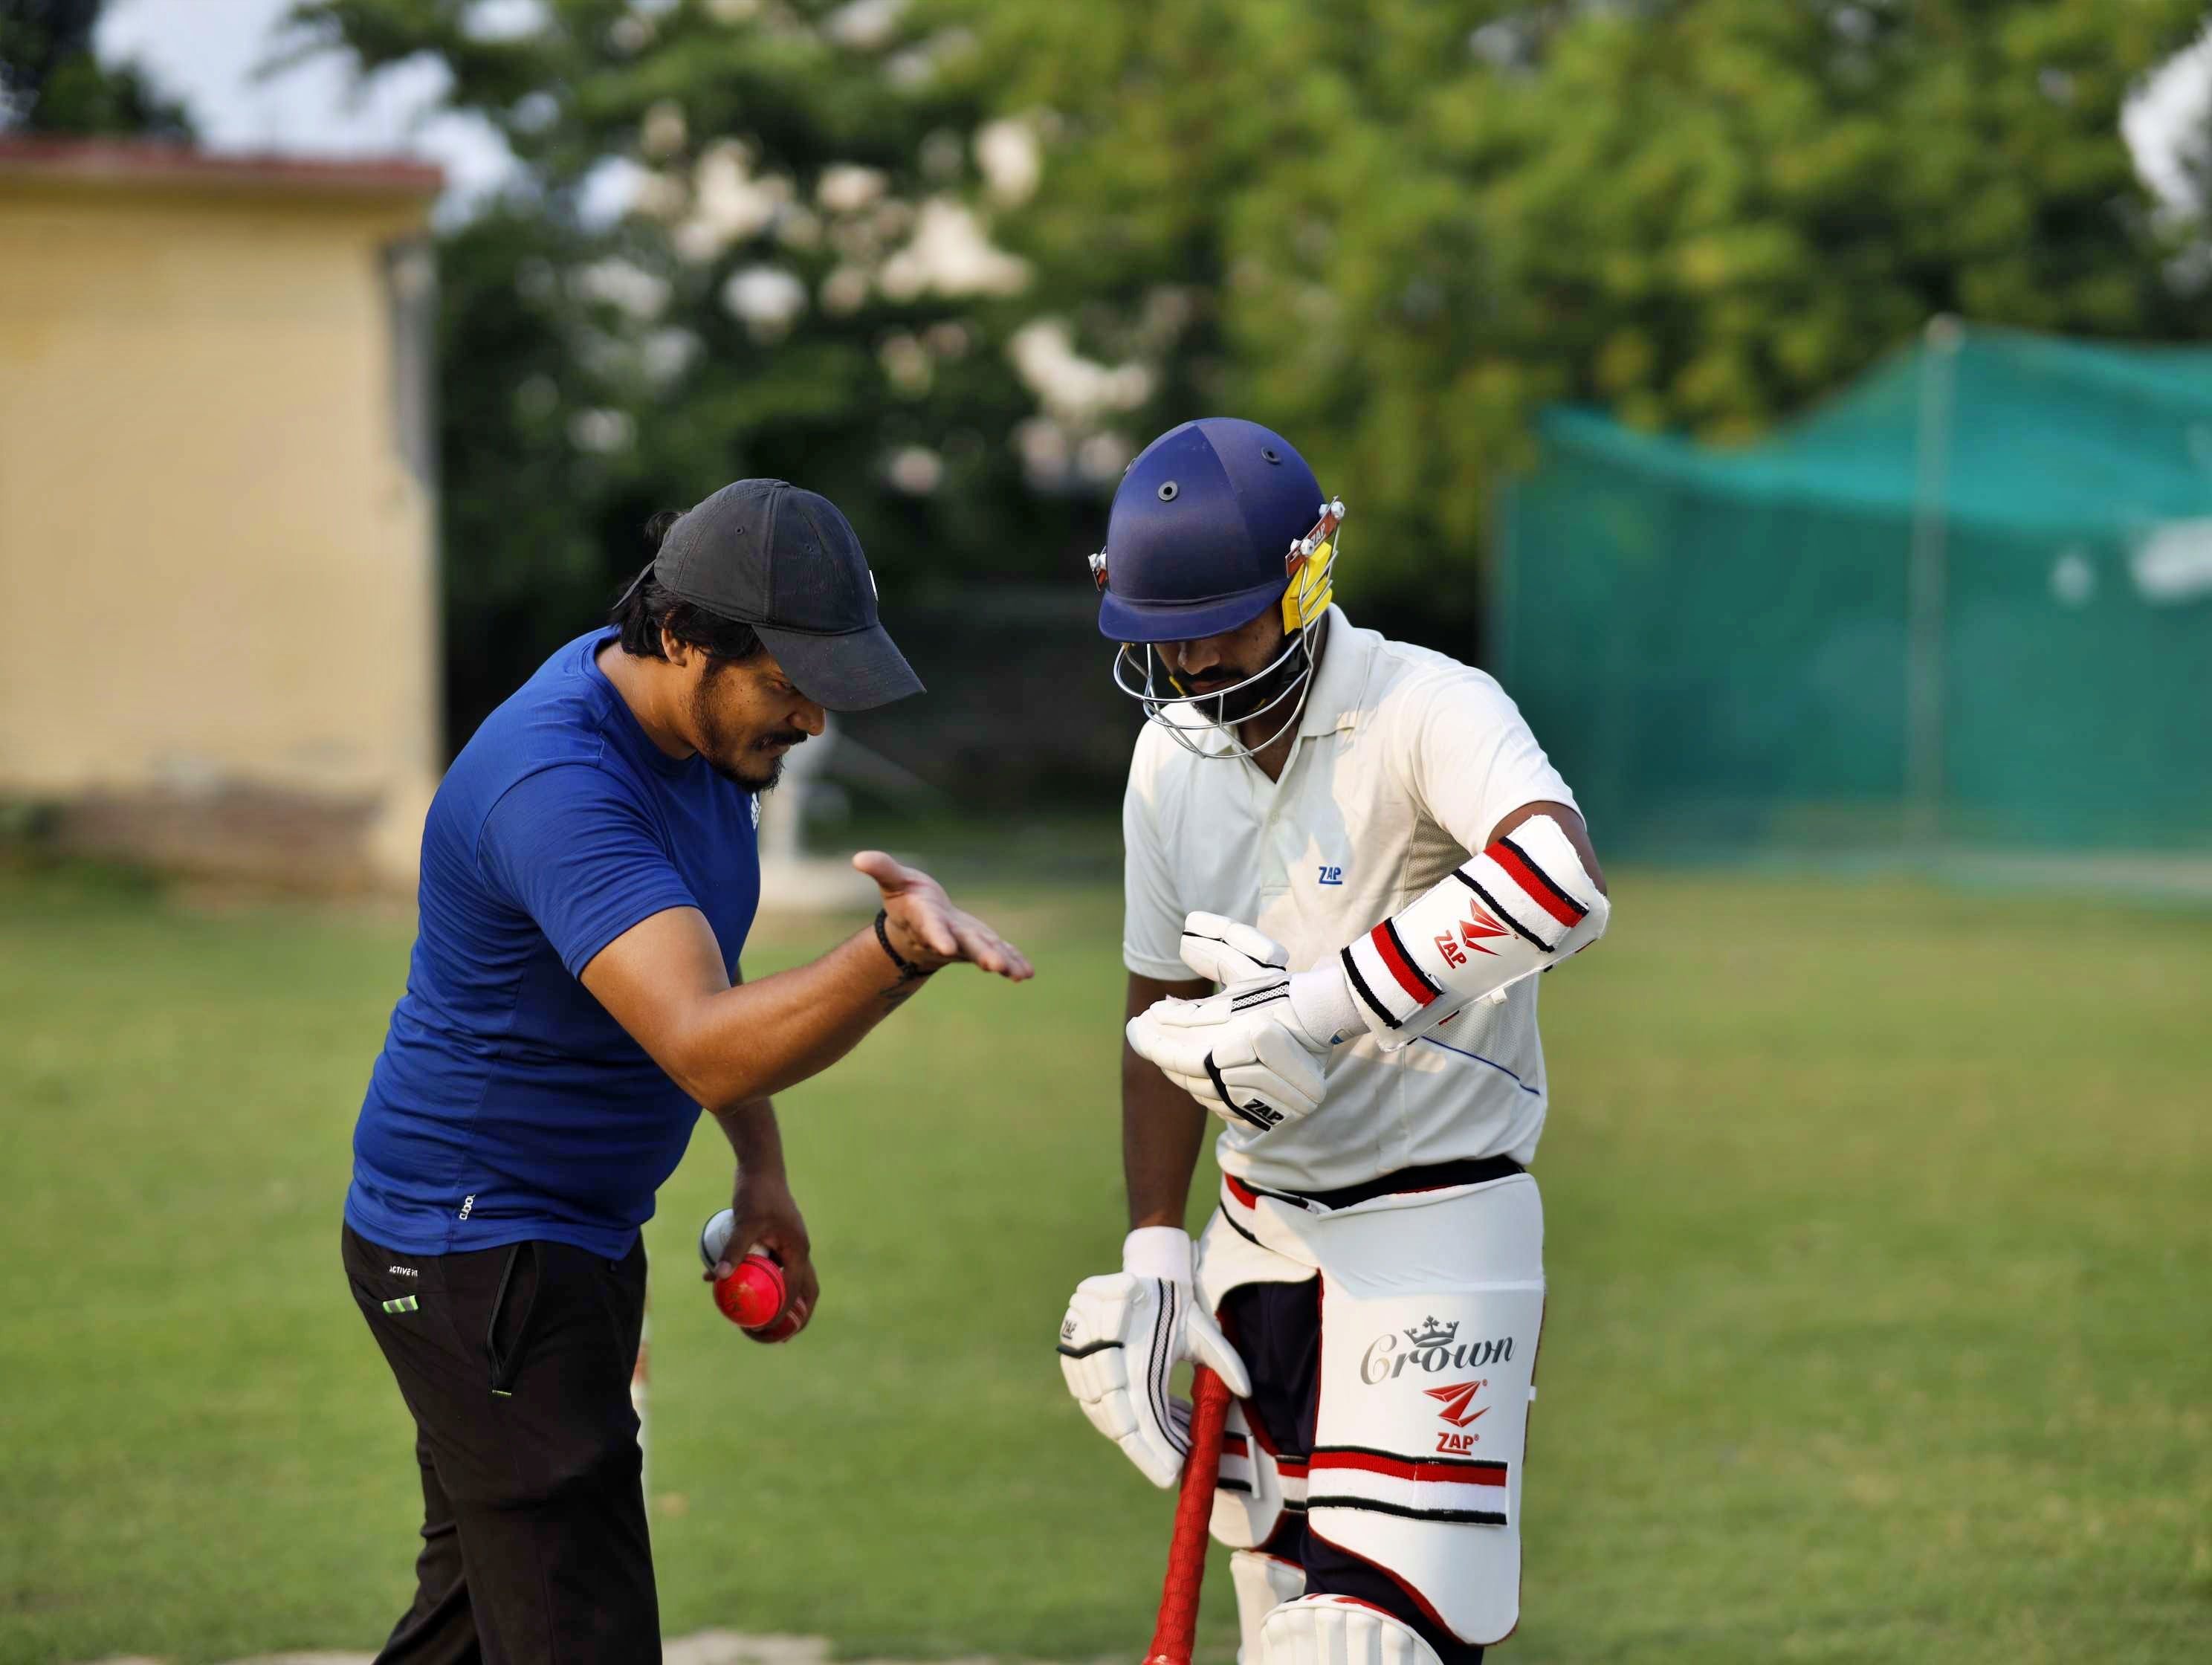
[(1360, 844), (573, 1002)]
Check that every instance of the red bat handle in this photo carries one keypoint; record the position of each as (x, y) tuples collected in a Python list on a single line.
[(1178, 1626)]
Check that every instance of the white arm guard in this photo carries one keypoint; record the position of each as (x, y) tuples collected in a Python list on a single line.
[(1520, 906)]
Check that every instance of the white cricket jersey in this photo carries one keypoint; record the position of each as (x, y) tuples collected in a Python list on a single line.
[(1404, 762)]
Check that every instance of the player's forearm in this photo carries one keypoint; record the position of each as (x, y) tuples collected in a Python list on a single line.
[(1161, 1126), (1162, 1130), (755, 1138), (758, 1038)]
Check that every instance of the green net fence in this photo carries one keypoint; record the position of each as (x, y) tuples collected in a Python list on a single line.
[(1968, 604)]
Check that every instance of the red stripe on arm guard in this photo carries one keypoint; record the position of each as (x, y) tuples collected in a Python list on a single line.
[(1540, 889), (1386, 944), (1521, 905)]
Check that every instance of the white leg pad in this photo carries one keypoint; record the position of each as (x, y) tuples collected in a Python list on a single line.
[(1263, 1584), (1248, 1497), (1336, 1629), (1426, 1379), (1248, 1504)]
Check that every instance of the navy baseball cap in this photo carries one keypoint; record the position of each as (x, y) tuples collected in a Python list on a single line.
[(785, 561)]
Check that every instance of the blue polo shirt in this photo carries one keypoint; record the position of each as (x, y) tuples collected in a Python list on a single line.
[(507, 1103)]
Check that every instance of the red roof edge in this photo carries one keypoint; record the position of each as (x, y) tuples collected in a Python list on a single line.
[(149, 162)]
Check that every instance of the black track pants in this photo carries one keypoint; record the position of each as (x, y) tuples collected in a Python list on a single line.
[(516, 1363)]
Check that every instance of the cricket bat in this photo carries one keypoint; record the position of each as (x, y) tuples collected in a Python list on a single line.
[(1178, 1626)]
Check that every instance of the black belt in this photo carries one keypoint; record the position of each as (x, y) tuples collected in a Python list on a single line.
[(1435, 1176)]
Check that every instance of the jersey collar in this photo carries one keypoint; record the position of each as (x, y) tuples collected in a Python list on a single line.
[(1340, 686)]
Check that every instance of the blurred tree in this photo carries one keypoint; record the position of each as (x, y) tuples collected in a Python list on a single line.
[(742, 241), (1392, 230), (809, 238), (51, 83)]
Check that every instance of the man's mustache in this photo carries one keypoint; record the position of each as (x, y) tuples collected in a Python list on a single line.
[(789, 738)]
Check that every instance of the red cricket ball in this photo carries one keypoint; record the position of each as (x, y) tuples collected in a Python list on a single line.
[(782, 1332), (752, 1294)]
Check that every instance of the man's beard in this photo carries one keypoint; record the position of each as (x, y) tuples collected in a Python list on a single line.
[(755, 769), (746, 763), (1248, 703)]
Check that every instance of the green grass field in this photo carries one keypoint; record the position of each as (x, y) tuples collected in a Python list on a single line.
[(1880, 1325)]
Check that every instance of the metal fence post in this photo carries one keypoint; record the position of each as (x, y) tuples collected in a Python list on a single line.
[(1923, 691)]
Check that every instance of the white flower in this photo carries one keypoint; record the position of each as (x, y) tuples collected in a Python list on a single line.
[(916, 470), (1043, 446), (1101, 458), (660, 196), (601, 431), (949, 338), (799, 228), (767, 298), (503, 20), (864, 24), (667, 354), (728, 204), (844, 291), (846, 187), (663, 130), (951, 254), (628, 287), (1006, 151), (906, 362), (1073, 388)]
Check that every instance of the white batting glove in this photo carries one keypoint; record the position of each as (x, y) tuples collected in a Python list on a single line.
[(1226, 951), (1243, 1053), (1231, 953), (1125, 1333)]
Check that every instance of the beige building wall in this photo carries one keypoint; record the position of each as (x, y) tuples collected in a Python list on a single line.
[(216, 555)]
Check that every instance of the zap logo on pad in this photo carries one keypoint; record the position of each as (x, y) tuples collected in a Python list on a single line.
[(1455, 1400)]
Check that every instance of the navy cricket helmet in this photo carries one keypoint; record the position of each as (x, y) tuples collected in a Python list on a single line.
[(1216, 521), (1197, 537)]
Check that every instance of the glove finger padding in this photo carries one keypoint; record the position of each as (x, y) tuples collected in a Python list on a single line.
[(1177, 1035), (1113, 1326), (1091, 1354), (1122, 1338), (1226, 950), (1234, 1054), (1205, 1345), (1276, 1080)]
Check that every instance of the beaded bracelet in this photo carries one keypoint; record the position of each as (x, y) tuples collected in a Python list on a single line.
[(907, 970)]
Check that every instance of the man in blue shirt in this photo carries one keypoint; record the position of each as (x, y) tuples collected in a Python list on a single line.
[(589, 873)]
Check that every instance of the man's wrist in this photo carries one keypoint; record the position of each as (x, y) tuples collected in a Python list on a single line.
[(760, 1170), (913, 962), (1320, 1000), (1157, 1251), (755, 1138)]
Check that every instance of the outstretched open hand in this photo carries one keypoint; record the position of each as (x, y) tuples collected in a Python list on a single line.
[(928, 930)]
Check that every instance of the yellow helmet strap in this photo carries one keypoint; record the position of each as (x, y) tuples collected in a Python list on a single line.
[(1311, 565)]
